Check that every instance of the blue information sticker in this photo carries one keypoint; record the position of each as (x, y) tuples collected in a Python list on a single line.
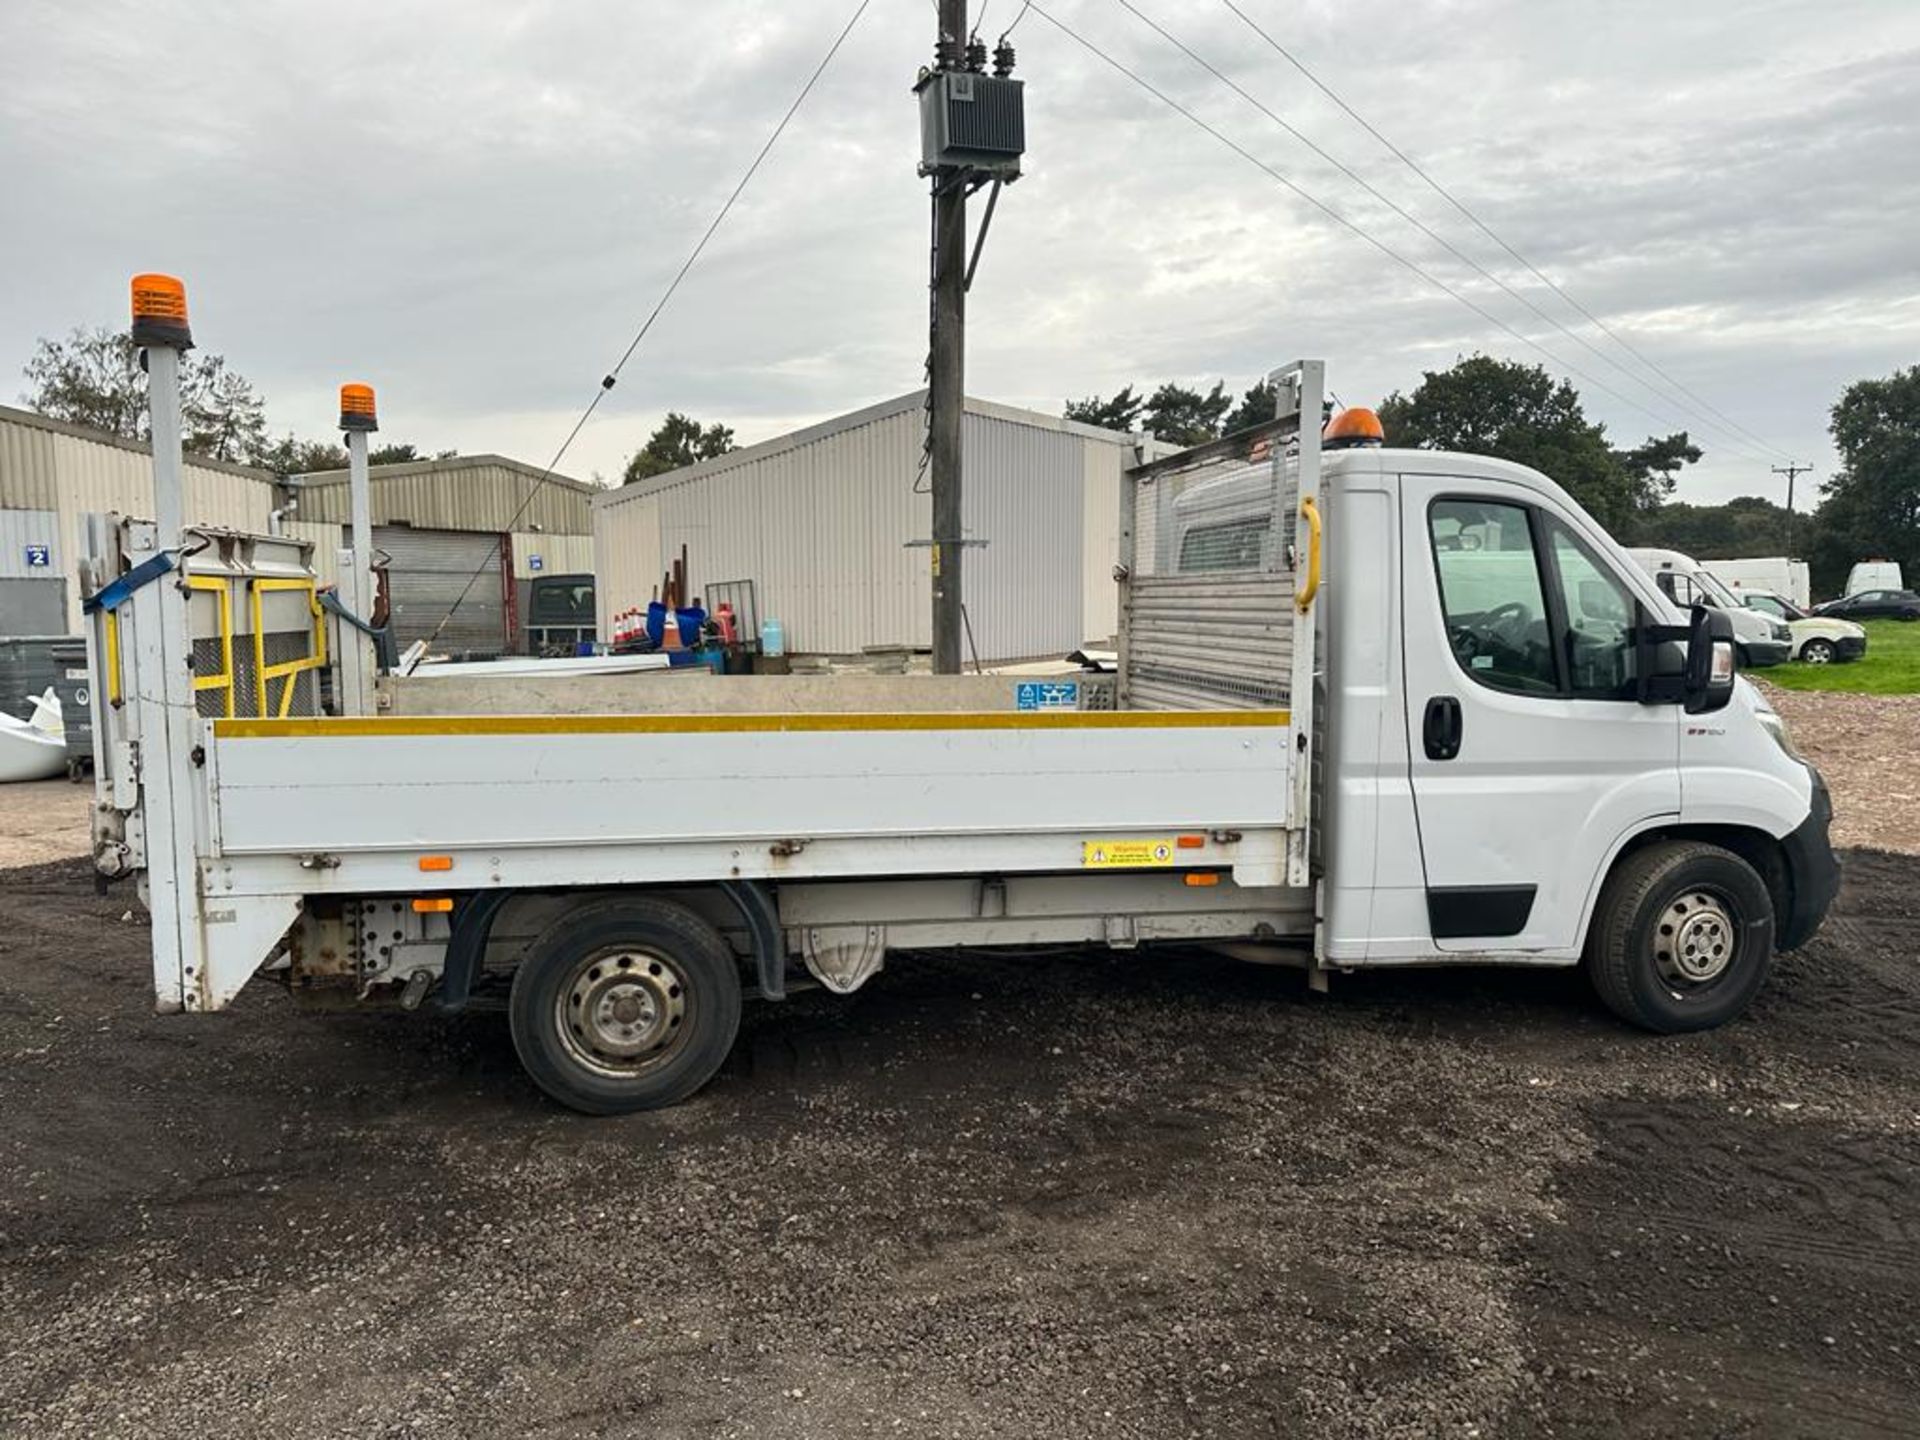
[(534, 562), (39, 557), (1047, 695)]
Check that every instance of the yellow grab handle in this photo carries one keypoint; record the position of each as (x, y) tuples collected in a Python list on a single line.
[(1305, 597)]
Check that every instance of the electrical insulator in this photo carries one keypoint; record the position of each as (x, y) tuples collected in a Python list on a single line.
[(977, 55), (1003, 58)]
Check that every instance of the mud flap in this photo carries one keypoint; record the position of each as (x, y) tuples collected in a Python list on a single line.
[(237, 934)]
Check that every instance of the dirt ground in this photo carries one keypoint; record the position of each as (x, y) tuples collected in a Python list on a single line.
[(1087, 1195), (43, 820), (1081, 1196), (1868, 747)]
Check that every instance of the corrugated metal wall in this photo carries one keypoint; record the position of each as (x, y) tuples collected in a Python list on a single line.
[(45, 467), (626, 557), (1100, 543), (1024, 494), (559, 554), (479, 492), (326, 540), (822, 526)]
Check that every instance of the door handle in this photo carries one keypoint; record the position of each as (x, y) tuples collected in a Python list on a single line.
[(1440, 728)]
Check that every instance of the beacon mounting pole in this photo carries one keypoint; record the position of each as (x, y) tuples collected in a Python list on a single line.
[(358, 419), (171, 732)]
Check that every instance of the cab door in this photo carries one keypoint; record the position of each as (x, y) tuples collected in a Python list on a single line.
[(1530, 757)]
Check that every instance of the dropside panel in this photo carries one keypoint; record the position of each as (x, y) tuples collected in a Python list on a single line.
[(349, 786)]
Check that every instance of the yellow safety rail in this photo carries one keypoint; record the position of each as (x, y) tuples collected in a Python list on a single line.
[(289, 670), (112, 627), (1312, 588), (213, 585)]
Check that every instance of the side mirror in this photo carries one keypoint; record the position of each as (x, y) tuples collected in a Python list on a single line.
[(1710, 661), (1691, 664)]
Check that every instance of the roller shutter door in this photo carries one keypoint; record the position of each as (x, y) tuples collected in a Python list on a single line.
[(427, 574)]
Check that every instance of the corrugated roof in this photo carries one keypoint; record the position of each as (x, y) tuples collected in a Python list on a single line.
[(33, 419), (451, 464), (912, 400)]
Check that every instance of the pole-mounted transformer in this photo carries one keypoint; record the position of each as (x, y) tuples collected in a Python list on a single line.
[(972, 121), (973, 132)]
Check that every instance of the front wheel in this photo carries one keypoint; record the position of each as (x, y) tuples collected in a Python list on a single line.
[(1817, 652), (1683, 937), (625, 1004)]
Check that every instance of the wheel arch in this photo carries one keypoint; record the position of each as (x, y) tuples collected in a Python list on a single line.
[(1764, 852), (497, 925)]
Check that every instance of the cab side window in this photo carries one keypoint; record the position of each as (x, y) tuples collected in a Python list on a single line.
[(1492, 594), (1767, 605), (1597, 634)]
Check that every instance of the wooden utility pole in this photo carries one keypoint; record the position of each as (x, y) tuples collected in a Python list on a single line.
[(946, 369), (1790, 470)]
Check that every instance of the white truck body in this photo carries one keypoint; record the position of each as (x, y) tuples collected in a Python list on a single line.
[(1874, 575), (1342, 748), (1684, 580), (1775, 574)]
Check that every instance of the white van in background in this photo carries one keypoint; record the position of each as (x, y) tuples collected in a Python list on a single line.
[(1760, 640), (1769, 574), (1874, 575)]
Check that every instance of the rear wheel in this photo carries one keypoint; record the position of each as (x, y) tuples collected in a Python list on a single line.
[(1817, 652), (1683, 937), (625, 1004)]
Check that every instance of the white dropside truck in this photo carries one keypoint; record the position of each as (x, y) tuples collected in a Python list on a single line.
[(1374, 707)]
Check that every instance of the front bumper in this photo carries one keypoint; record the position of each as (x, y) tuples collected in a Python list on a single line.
[(1761, 653), (1850, 647), (1813, 874)]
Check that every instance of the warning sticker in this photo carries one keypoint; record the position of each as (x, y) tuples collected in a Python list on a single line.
[(1125, 854)]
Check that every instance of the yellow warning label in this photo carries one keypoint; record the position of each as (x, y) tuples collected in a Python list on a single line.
[(1125, 854)]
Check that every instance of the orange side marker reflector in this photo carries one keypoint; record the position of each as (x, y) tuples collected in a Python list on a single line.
[(439, 906), (436, 862), (1196, 878), (1191, 842)]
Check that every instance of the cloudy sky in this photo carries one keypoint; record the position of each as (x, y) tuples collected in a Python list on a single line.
[(472, 205)]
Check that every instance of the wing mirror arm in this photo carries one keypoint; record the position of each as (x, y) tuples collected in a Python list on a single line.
[(1698, 677)]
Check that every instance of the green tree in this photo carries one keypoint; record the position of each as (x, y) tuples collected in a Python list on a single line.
[(1653, 469), (93, 378), (679, 441), (1871, 505), (291, 456), (1521, 413), (1256, 407), (1182, 416), (1118, 412)]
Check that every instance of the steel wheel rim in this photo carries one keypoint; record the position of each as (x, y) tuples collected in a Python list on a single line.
[(1816, 654), (1695, 940), (624, 1011)]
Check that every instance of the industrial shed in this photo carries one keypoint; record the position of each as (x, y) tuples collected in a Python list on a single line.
[(471, 530), (824, 523), (52, 473)]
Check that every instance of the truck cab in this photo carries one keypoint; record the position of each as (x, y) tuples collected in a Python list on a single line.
[(1762, 640)]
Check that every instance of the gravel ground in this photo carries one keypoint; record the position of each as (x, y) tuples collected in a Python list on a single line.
[(43, 820), (1085, 1196), (1868, 747)]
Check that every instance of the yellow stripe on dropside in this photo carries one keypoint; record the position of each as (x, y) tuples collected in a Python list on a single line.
[(345, 726)]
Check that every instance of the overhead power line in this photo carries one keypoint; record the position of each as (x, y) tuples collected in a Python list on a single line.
[(1336, 216), (1632, 375), (612, 377), (1726, 420)]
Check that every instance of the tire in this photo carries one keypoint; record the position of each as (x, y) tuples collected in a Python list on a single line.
[(1817, 652), (1682, 938), (625, 1004)]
